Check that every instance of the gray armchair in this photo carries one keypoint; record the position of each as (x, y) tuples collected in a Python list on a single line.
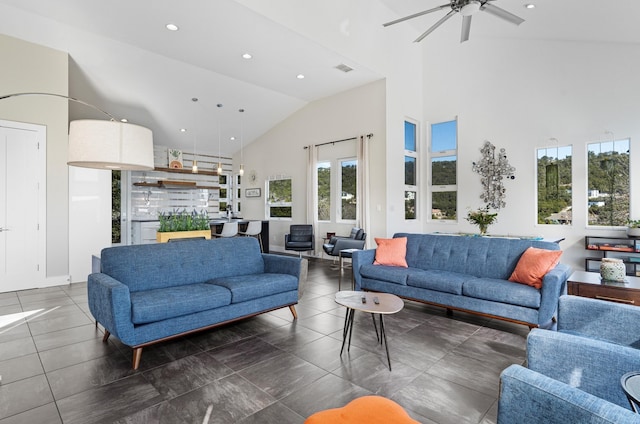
[(355, 240), (300, 239)]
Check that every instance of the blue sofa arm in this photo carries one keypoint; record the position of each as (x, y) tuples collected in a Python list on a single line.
[(279, 264), (599, 319), (359, 258), (530, 397), (590, 365), (110, 304), (554, 285)]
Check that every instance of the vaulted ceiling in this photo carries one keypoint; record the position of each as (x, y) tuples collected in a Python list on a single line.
[(124, 60)]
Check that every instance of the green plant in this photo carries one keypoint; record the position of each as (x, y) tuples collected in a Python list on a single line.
[(482, 218), (633, 223), (183, 221)]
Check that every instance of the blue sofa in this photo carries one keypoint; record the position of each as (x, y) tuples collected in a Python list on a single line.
[(573, 375), (467, 274), (145, 294)]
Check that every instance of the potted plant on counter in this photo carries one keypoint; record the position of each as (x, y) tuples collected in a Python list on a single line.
[(177, 225)]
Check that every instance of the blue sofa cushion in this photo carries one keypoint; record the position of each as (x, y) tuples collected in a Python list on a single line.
[(155, 266), (391, 274), (443, 281), (502, 291), (478, 256), (159, 304), (255, 286)]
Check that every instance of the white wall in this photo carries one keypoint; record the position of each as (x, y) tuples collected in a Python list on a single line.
[(27, 67), (281, 152), (520, 93)]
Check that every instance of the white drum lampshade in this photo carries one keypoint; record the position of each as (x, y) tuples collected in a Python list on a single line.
[(110, 145)]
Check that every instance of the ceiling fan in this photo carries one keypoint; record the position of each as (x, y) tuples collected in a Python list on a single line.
[(467, 8)]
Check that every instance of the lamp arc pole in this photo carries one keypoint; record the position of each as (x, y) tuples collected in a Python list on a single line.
[(102, 144)]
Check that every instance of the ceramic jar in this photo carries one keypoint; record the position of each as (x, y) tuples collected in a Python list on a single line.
[(612, 269)]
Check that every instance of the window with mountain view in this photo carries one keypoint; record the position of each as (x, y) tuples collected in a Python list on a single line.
[(608, 183), (410, 169), (554, 185), (324, 191), (348, 186), (444, 175), (279, 198)]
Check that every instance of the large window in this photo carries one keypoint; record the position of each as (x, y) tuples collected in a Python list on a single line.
[(608, 183), (410, 169), (554, 185), (337, 191), (324, 191), (279, 198), (444, 176), (348, 189)]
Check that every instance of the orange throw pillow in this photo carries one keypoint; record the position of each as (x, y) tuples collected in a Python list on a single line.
[(533, 266), (391, 252)]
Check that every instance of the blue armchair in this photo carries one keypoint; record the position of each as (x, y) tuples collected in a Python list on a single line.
[(573, 375)]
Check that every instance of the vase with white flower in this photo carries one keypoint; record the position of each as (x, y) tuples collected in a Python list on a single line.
[(482, 217)]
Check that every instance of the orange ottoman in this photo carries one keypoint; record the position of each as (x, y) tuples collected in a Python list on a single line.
[(367, 409)]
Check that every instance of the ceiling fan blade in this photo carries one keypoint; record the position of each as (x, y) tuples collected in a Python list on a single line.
[(466, 28), (501, 13), (415, 15), (436, 25)]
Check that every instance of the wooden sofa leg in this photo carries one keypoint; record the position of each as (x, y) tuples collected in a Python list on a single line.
[(137, 354), (106, 336), (292, 308)]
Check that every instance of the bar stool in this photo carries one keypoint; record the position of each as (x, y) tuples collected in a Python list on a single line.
[(229, 229), (254, 228)]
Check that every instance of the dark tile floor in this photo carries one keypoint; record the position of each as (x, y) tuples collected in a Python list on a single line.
[(267, 369)]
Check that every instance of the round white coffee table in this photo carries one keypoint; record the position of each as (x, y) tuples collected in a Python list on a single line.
[(373, 303)]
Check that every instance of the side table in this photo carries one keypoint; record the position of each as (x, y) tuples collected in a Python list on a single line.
[(589, 284), (345, 253), (630, 383)]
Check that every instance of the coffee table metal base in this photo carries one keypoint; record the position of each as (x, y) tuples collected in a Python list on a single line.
[(373, 303), (348, 331)]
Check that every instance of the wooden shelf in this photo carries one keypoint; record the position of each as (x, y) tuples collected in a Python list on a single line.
[(186, 171), (176, 185)]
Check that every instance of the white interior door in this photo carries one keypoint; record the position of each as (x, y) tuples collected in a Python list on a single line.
[(22, 206)]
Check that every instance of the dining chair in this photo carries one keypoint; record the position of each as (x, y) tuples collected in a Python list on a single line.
[(254, 228)]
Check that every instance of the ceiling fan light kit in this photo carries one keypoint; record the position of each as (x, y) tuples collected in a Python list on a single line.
[(466, 8)]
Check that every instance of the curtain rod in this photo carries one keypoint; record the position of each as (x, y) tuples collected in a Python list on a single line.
[(338, 141)]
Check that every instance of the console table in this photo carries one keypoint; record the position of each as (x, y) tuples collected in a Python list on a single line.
[(589, 284)]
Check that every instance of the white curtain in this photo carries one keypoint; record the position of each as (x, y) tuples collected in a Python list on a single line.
[(312, 189), (363, 187)]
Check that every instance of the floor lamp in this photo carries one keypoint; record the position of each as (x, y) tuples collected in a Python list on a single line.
[(102, 144)]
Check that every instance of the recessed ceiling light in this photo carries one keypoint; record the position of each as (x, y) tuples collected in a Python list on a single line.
[(125, 120), (530, 6), (172, 27), (232, 138), (300, 76), (183, 130), (247, 56)]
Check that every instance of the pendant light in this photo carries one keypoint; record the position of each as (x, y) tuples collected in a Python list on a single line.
[(194, 168), (219, 142), (241, 143)]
